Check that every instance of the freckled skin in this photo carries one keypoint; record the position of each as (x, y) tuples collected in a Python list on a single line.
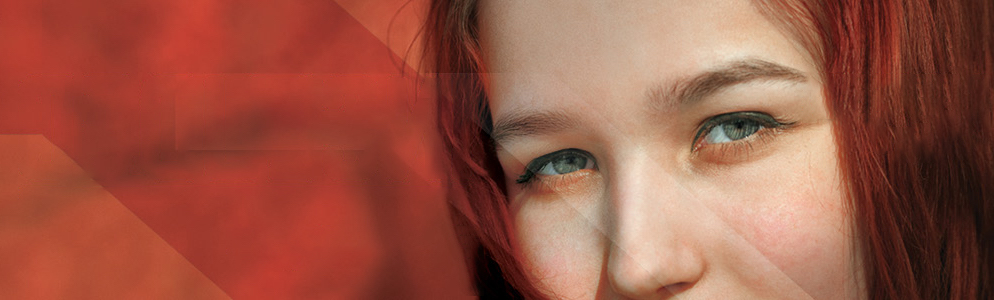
[(762, 217)]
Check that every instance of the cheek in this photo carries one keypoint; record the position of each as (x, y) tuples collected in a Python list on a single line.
[(561, 237), (802, 230), (795, 216)]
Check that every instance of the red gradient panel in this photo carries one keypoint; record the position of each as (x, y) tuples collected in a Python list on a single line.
[(249, 149), (63, 236)]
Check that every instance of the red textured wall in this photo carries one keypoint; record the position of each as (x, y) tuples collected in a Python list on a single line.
[(250, 149)]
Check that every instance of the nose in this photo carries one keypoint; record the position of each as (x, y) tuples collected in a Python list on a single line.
[(652, 253)]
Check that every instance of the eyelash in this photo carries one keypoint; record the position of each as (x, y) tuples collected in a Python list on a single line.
[(718, 151), (729, 151), (765, 121), (537, 164)]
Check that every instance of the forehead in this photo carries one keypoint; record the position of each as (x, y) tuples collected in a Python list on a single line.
[(554, 50)]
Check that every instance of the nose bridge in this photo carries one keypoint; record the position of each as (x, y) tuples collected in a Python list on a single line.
[(650, 253)]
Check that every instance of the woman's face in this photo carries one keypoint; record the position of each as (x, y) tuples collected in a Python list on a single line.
[(665, 147)]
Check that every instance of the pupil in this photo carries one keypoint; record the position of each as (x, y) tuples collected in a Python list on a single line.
[(569, 164), (740, 129)]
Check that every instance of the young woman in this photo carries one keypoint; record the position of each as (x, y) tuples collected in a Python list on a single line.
[(720, 148)]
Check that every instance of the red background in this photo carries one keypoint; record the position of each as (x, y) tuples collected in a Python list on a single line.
[(214, 149)]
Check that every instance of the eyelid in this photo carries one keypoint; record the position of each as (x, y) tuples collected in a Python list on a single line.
[(561, 183), (767, 121), (533, 167), (745, 149), (539, 162), (751, 147)]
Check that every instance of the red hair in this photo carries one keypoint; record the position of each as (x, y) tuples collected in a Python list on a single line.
[(909, 90)]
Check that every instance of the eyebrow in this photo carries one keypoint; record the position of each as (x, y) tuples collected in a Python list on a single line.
[(519, 124), (741, 71)]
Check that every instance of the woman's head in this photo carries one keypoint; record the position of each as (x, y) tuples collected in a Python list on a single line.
[(700, 148)]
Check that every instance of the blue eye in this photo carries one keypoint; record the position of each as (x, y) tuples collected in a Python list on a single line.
[(563, 164), (558, 163), (732, 127), (732, 131)]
